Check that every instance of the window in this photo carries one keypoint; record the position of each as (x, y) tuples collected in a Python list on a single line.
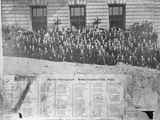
[(117, 16), (39, 17), (39, 11), (78, 16)]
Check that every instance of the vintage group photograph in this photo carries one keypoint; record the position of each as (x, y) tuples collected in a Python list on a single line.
[(80, 60)]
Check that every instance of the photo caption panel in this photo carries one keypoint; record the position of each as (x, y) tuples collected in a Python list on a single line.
[(77, 97)]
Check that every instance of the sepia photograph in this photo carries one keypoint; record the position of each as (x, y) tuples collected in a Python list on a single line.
[(79, 59)]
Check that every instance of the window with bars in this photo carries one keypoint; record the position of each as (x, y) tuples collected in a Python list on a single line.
[(39, 17), (78, 16), (117, 16)]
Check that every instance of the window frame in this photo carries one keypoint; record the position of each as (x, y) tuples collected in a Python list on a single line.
[(44, 14), (81, 17), (72, 8), (121, 13), (44, 10)]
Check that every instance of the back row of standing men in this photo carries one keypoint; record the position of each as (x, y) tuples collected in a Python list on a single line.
[(95, 46)]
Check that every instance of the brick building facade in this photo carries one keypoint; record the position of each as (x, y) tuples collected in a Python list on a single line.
[(80, 13)]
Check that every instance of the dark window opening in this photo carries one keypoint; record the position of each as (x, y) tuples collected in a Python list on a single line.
[(149, 114), (117, 16), (78, 16), (39, 17)]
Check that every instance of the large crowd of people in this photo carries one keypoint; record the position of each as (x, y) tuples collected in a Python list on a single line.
[(94, 46)]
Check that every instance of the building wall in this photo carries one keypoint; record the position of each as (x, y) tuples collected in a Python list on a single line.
[(18, 12), (58, 8), (139, 10), (98, 8)]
